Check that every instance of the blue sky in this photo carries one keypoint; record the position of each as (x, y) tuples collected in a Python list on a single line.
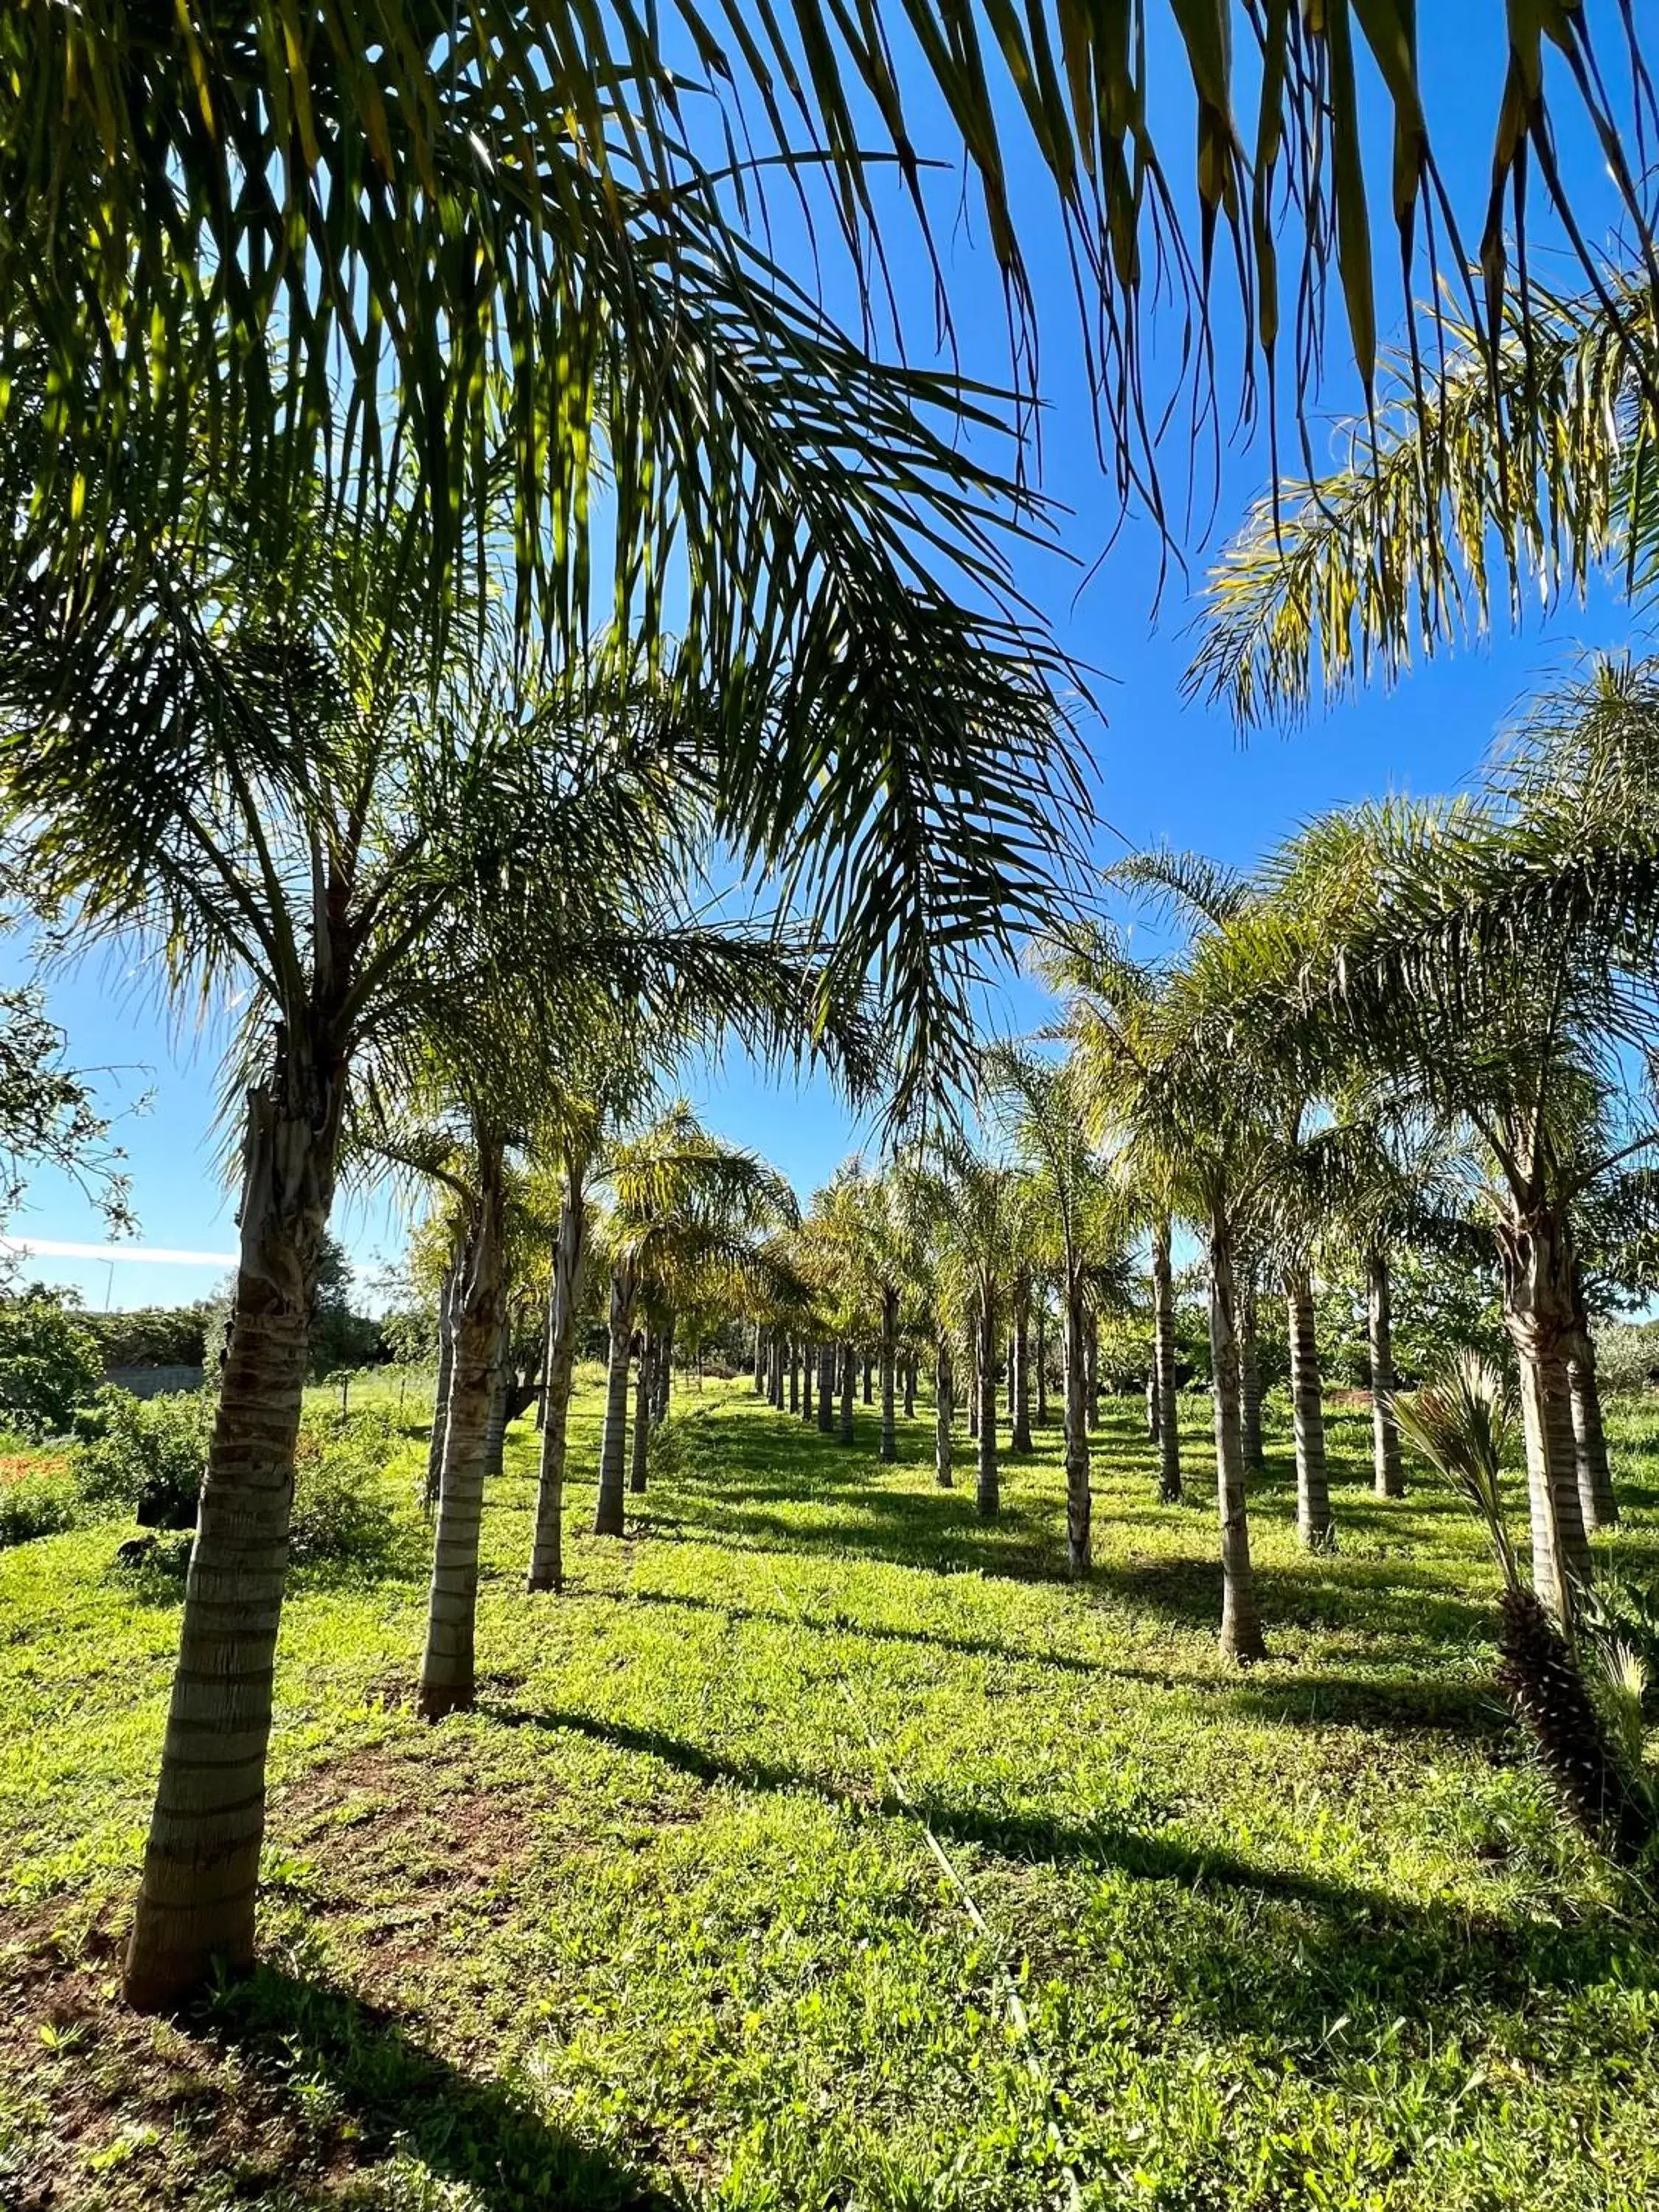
[(1165, 771)]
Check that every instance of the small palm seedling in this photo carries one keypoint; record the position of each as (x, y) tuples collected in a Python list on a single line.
[(1463, 1426)]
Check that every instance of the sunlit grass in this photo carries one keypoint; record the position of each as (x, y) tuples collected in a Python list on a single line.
[(662, 1920)]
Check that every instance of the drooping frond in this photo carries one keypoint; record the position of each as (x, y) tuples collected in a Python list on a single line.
[(1502, 482), (383, 237), (1187, 884)]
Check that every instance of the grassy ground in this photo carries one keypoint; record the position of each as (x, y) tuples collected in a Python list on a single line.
[(662, 1923)]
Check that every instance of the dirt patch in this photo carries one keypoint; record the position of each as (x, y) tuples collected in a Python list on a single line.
[(102, 2098)]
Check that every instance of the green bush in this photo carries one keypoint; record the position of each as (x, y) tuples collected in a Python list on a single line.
[(49, 1362), (1627, 1354), (36, 1505), (340, 1508), (144, 1454), (147, 1454)]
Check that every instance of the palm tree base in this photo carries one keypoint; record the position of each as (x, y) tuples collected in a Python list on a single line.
[(549, 1581), (435, 1701), (175, 1951)]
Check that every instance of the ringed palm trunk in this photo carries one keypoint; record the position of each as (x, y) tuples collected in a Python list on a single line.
[(662, 1369), (910, 1386), (888, 1374), (1539, 1313), (1388, 1473), (826, 1389), (644, 1390), (546, 1555), (1164, 1367), (447, 1683), (869, 1380), (849, 1364), (1597, 1505), (1078, 1540), (944, 1412), (1092, 1350), (1249, 1381), (496, 1433), (613, 1449), (434, 1450), (202, 1859), (1019, 1379), (1241, 1622), (760, 1359), (988, 1491), (1596, 1502), (1313, 1489)]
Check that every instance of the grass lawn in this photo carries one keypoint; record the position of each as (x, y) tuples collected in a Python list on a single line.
[(662, 1922)]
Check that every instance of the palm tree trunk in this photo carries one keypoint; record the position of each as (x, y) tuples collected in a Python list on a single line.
[(570, 1252), (643, 1394), (202, 1860), (944, 1412), (826, 1389), (1538, 1311), (1388, 1473), (889, 1358), (760, 1360), (495, 1430), (1241, 1623), (973, 1388), (910, 1386), (1313, 1490), (662, 1369), (613, 1449), (849, 1369), (1249, 1381), (794, 1374), (869, 1380), (1164, 1367), (1596, 1502), (988, 1493), (810, 1356), (447, 1683), (1091, 1353), (1043, 1364), (1019, 1381), (1078, 1540), (434, 1449)]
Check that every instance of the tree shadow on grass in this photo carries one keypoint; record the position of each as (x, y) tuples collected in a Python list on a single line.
[(395, 2093), (1254, 1948), (841, 1624)]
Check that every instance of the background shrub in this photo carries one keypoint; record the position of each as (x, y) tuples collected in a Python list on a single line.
[(145, 1455), (1627, 1354), (36, 1504), (49, 1362)]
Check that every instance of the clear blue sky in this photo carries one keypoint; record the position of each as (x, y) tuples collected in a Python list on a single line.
[(1165, 771)]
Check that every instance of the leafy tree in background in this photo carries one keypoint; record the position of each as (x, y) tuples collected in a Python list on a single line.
[(49, 1361)]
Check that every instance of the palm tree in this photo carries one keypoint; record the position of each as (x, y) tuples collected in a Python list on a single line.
[(1190, 1134), (983, 1213), (681, 1201), (1040, 1105), (421, 221), (1472, 959), (241, 782)]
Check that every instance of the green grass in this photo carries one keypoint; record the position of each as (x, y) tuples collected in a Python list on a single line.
[(662, 1923)]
